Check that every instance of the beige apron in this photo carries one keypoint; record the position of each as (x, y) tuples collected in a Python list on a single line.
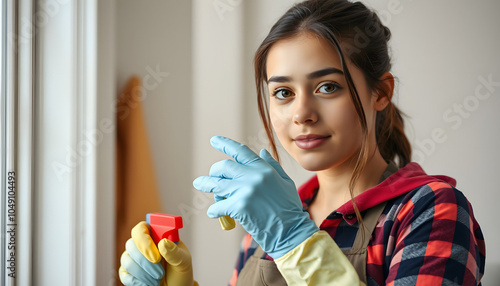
[(258, 271)]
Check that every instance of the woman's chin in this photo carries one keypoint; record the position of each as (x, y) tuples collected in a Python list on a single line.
[(313, 164)]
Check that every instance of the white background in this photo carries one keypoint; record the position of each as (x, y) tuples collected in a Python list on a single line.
[(440, 50)]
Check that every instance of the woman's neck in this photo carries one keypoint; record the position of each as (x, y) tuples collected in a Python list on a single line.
[(334, 182)]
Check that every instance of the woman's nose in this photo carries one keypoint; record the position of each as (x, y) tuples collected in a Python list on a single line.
[(305, 111)]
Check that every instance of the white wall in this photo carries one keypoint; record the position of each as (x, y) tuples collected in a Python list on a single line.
[(154, 43), (441, 49), (217, 110)]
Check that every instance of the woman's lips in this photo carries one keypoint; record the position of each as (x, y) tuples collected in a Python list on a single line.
[(310, 141)]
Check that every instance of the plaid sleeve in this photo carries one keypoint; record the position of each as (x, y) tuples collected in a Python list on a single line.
[(437, 240), (247, 249)]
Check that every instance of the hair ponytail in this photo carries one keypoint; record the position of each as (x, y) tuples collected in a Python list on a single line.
[(391, 139)]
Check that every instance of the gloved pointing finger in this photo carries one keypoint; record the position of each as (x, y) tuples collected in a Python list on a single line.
[(240, 153)]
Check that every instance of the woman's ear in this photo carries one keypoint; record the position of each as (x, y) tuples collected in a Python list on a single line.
[(384, 94)]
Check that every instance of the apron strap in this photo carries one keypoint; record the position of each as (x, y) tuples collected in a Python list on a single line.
[(365, 231), (358, 253)]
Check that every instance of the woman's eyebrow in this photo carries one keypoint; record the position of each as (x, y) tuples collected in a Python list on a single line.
[(324, 72), (313, 75), (277, 78)]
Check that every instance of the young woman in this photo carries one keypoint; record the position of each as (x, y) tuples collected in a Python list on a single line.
[(369, 215)]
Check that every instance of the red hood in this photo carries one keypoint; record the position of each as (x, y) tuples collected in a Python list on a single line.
[(403, 181)]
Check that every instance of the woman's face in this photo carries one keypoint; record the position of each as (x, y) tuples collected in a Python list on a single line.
[(310, 105)]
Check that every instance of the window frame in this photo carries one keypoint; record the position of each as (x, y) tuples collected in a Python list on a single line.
[(77, 213)]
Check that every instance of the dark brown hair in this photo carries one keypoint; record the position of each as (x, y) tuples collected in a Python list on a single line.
[(356, 32)]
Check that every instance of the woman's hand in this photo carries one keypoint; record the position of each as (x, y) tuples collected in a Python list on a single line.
[(258, 193), (141, 262)]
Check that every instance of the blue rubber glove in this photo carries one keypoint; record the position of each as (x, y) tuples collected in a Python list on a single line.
[(259, 194)]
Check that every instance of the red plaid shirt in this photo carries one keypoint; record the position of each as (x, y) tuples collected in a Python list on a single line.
[(426, 235)]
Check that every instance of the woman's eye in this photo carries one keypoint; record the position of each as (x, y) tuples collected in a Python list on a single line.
[(328, 88), (282, 93)]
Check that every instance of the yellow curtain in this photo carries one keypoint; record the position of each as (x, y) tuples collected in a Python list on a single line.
[(136, 188)]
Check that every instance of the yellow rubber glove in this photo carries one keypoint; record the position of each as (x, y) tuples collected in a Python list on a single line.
[(141, 261), (317, 261)]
